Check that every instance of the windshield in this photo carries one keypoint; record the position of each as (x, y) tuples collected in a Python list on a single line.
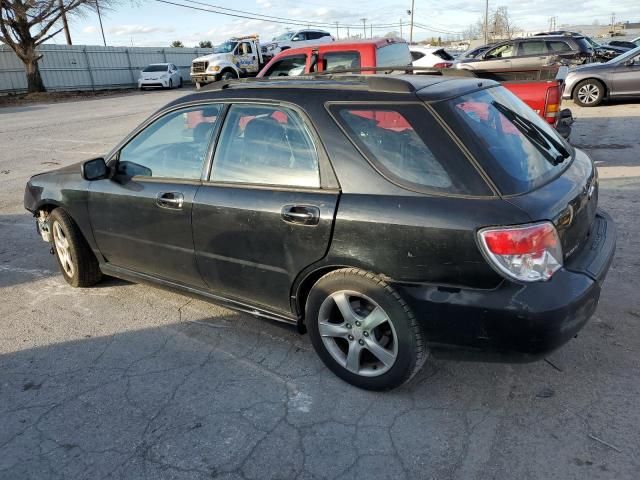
[(593, 43), (517, 149), (283, 37), (625, 56), (226, 47), (156, 68)]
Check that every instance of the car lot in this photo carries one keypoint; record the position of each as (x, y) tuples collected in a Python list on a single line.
[(129, 381)]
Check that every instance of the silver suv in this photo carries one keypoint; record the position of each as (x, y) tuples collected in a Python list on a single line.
[(294, 39)]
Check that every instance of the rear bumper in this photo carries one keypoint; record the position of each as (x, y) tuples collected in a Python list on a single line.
[(517, 322)]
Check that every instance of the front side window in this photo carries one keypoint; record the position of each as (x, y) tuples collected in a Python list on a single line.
[(532, 48), (265, 145), (502, 51), (341, 60), (408, 147), (174, 146), (517, 149), (288, 67), (559, 46)]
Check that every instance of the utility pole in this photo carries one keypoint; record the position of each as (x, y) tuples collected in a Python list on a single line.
[(348, 34), (400, 28), (364, 27), (338, 30), (100, 20), (486, 22), (371, 30), (65, 25), (411, 27)]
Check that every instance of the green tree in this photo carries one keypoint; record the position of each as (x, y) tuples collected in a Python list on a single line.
[(205, 44), (174, 44)]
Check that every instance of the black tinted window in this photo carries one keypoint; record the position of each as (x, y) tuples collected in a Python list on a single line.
[(532, 48), (340, 60), (559, 46), (287, 67), (265, 145), (406, 145), (416, 55), (174, 146), (155, 68), (518, 149)]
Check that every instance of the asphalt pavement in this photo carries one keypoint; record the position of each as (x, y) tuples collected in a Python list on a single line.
[(131, 381)]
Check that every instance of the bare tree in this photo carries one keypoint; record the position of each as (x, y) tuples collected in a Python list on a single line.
[(25, 24)]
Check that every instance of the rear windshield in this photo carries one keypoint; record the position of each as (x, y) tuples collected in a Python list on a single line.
[(408, 147), (517, 149), (155, 68), (443, 55)]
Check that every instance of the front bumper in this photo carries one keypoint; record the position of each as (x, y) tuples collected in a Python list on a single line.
[(160, 82), (517, 322), (204, 78)]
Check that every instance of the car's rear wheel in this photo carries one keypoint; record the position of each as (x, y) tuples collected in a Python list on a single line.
[(588, 93), (77, 262), (363, 330)]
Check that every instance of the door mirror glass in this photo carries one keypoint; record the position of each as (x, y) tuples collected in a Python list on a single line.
[(94, 169), (173, 146)]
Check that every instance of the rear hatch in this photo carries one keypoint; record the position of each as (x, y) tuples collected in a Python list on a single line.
[(529, 163)]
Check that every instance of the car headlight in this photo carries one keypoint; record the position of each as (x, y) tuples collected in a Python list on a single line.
[(214, 68)]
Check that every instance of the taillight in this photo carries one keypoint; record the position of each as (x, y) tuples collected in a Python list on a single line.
[(552, 106), (442, 65), (529, 253)]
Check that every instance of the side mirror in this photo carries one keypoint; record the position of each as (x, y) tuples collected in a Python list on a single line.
[(94, 169), (295, 39)]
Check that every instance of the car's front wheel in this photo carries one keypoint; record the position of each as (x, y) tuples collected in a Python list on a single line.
[(77, 262), (170, 83), (227, 76), (363, 330), (588, 93)]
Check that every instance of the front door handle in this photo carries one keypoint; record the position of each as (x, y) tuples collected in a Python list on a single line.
[(173, 200), (301, 214)]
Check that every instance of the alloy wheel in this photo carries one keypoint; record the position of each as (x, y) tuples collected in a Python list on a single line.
[(588, 93), (358, 333), (63, 249)]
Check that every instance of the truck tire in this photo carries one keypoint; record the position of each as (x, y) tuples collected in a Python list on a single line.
[(363, 331), (76, 260), (198, 85), (228, 75)]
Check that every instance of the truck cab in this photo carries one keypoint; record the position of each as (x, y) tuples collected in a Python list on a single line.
[(237, 57)]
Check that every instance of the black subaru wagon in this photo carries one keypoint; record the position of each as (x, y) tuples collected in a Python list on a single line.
[(386, 216)]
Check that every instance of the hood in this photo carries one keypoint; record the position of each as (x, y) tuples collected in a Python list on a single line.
[(214, 57), (590, 67), (147, 75), (613, 48)]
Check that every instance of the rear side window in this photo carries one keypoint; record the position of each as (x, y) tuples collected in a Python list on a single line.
[(288, 67), (517, 149), (559, 46), (394, 54), (416, 55), (341, 60), (532, 48), (408, 147)]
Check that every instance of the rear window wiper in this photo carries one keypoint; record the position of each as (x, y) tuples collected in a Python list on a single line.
[(537, 135)]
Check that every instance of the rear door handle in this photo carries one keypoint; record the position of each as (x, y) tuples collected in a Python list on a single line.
[(301, 214), (173, 200)]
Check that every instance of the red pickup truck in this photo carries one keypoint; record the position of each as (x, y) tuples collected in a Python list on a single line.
[(540, 89)]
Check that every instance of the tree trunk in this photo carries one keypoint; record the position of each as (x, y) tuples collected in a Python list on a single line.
[(34, 80)]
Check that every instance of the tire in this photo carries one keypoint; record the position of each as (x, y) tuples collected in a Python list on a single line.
[(78, 264), (170, 83), (394, 333), (226, 76), (588, 93), (180, 84), (198, 85)]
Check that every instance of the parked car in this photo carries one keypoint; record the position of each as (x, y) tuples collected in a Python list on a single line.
[(530, 53), (474, 52), (387, 215), (294, 39), (164, 75), (627, 44), (336, 56), (589, 85), (436, 57), (601, 52)]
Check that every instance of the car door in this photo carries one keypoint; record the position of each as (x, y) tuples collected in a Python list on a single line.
[(625, 77), (141, 217), (266, 212), (246, 57), (498, 58), (532, 54)]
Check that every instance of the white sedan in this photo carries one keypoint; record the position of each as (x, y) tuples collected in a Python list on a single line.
[(434, 57), (164, 75)]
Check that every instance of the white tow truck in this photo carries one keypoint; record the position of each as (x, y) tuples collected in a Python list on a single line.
[(237, 57)]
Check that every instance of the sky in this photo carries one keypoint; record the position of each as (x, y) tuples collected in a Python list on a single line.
[(152, 23)]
